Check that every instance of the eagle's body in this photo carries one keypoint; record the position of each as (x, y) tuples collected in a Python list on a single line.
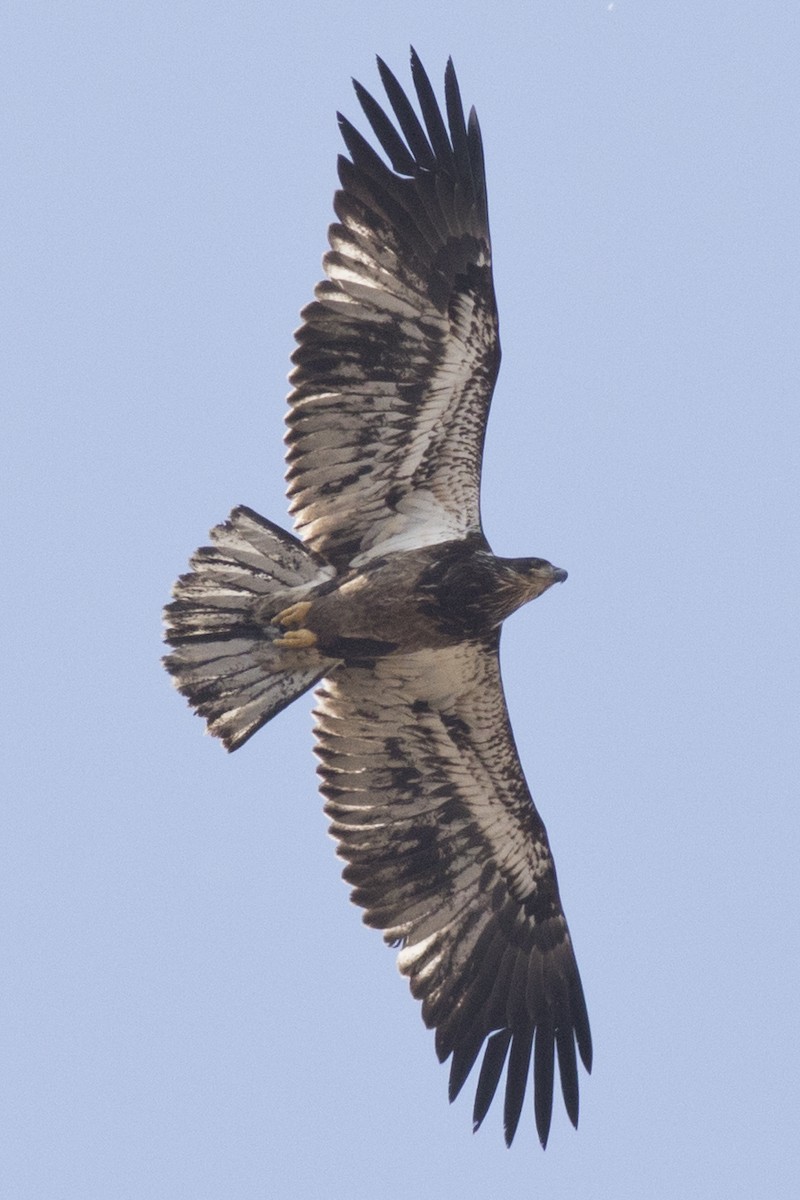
[(392, 601), (420, 600)]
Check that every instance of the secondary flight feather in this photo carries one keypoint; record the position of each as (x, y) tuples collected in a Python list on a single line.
[(391, 600)]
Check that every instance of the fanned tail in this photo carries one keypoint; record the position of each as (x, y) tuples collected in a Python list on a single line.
[(224, 657)]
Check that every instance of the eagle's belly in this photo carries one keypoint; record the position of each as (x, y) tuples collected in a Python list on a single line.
[(372, 615), (414, 600)]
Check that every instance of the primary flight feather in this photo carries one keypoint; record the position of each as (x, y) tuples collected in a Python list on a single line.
[(392, 601)]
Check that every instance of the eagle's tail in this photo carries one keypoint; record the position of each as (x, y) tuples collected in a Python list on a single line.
[(225, 659)]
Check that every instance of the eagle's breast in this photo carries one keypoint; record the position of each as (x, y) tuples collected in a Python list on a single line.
[(414, 600)]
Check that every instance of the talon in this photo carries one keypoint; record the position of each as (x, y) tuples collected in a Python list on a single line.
[(293, 616), (297, 639)]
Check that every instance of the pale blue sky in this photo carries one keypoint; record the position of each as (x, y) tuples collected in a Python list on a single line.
[(190, 1005)]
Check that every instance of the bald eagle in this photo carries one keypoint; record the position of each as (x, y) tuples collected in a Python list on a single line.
[(391, 600)]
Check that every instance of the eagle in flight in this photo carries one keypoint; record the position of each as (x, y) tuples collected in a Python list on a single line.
[(391, 600)]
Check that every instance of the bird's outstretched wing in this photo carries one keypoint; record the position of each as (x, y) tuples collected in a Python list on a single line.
[(450, 858), (398, 354)]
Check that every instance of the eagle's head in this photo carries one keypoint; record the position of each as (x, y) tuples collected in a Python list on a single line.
[(523, 579)]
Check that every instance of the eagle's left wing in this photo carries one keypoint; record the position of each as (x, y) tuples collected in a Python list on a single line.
[(450, 858)]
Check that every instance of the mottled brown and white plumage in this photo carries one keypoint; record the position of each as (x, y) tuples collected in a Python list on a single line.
[(392, 598)]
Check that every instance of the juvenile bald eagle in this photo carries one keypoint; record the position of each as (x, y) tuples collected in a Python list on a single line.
[(392, 601)]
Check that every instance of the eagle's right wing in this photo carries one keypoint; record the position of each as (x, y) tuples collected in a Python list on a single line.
[(398, 354)]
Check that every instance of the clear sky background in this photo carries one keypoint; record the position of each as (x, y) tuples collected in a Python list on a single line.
[(191, 1007)]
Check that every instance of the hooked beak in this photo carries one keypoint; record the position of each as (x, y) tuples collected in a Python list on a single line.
[(543, 576), (546, 574)]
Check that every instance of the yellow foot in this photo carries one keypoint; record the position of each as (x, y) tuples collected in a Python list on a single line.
[(297, 639), (293, 616)]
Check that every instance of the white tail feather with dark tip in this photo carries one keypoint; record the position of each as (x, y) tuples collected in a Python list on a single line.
[(224, 658)]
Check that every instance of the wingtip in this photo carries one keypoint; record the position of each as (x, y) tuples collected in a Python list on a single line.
[(417, 66), (509, 1132), (544, 1118)]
